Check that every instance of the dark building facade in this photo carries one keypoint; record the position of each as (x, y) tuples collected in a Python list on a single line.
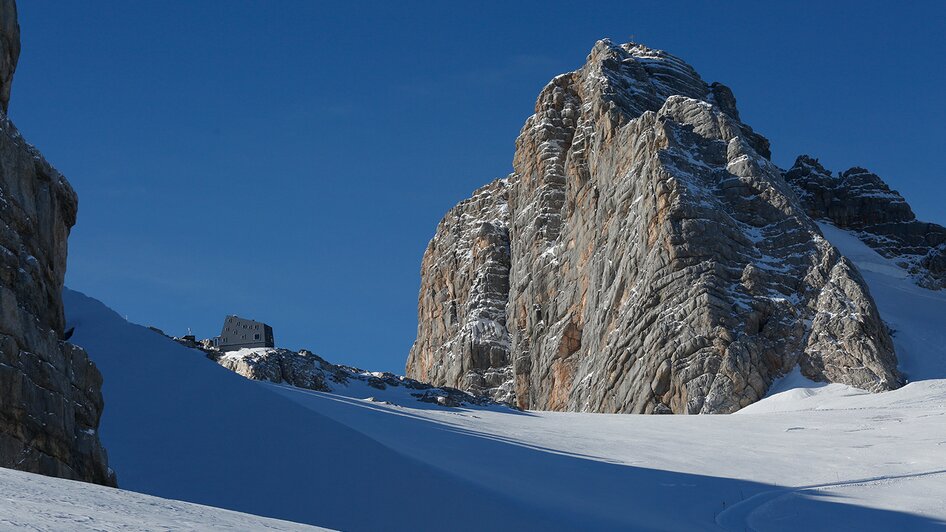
[(239, 333)]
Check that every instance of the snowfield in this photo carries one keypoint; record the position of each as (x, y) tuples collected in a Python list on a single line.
[(35, 502), (859, 462), (807, 457)]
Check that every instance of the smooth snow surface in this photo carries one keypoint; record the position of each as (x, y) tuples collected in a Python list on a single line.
[(35, 502), (858, 462), (821, 458), (179, 426)]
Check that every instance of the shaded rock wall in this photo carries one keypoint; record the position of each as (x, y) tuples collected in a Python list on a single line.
[(9, 49), (658, 262), (50, 392)]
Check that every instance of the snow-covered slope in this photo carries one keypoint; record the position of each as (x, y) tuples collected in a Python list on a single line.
[(179, 426), (865, 462), (36, 502)]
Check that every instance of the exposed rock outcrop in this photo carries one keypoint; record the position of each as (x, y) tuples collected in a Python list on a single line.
[(466, 271), (644, 256), (305, 369), (301, 369), (50, 392), (858, 200)]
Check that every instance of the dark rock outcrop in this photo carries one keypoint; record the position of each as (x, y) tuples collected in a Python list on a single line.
[(50, 392), (644, 256), (859, 201), (305, 369), (9, 49)]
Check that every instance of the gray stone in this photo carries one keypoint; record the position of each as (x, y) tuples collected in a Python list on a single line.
[(304, 369), (644, 256), (50, 392), (861, 202), (301, 369)]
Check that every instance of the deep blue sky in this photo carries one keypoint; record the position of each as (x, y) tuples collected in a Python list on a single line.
[(289, 161)]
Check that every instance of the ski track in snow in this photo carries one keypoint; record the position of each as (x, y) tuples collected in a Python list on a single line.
[(740, 515)]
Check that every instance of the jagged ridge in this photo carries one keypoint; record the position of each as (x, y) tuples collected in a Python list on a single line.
[(860, 201)]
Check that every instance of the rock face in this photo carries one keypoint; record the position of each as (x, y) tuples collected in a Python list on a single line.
[(860, 201), (304, 369), (9, 49), (644, 256), (463, 305), (50, 392), (300, 369)]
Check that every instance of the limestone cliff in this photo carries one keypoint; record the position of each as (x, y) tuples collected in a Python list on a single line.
[(859, 201), (50, 392), (643, 256)]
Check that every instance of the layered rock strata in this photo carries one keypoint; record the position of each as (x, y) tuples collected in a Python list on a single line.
[(860, 201), (644, 256)]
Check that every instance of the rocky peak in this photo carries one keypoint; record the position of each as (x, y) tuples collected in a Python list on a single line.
[(851, 199), (860, 201), (647, 257), (467, 272), (633, 79)]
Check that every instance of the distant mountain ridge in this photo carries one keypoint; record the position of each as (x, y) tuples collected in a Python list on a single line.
[(645, 256), (858, 200)]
